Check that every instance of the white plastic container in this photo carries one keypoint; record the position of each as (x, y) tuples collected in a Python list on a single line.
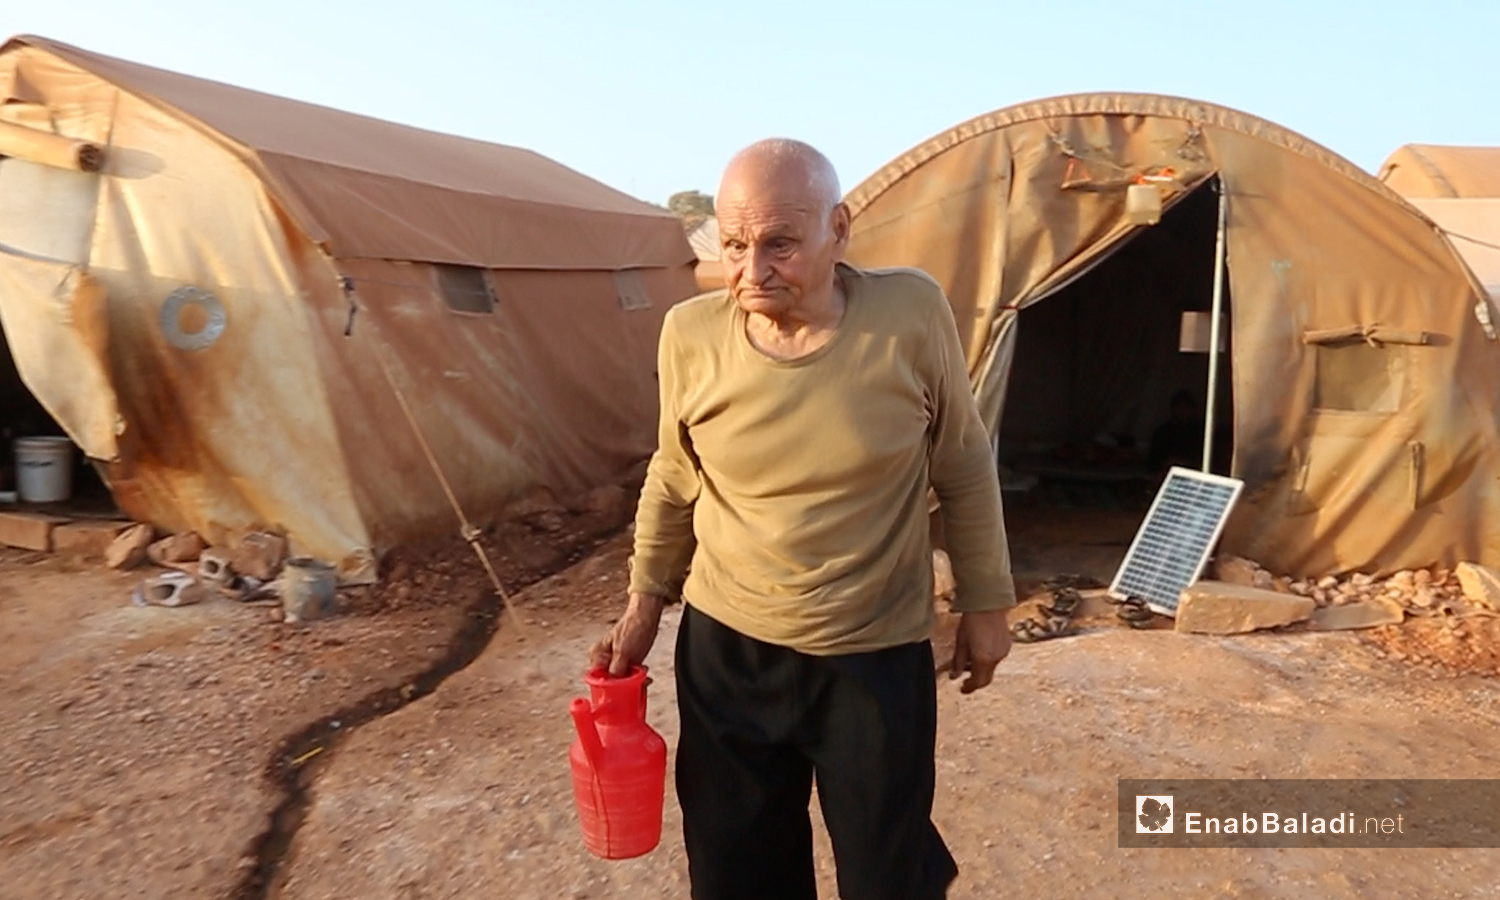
[(44, 469)]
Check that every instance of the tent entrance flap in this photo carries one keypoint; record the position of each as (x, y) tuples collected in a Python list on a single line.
[(1103, 396), (22, 415)]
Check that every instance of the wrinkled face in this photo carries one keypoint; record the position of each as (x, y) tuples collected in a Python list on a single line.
[(778, 246)]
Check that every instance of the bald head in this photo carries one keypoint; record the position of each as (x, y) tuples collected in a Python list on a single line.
[(782, 229), (784, 169)]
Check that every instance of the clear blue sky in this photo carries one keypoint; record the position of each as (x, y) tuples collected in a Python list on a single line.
[(652, 97)]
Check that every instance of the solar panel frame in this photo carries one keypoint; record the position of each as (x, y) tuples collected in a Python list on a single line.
[(1165, 562)]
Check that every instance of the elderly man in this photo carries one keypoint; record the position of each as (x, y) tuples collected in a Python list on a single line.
[(804, 413)]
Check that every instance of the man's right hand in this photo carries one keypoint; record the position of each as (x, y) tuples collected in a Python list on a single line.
[(631, 638)]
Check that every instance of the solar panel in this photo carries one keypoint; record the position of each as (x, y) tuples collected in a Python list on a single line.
[(1174, 541)]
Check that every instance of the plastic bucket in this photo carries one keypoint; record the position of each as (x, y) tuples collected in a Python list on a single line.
[(44, 469)]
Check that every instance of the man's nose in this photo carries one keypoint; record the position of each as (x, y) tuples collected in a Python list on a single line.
[(757, 265)]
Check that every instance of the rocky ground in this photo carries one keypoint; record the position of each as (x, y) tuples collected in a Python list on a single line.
[(466, 792), (141, 749), (136, 744)]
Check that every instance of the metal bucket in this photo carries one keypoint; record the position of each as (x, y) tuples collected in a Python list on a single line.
[(308, 589)]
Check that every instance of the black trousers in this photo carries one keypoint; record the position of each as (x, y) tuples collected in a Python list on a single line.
[(759, 720)]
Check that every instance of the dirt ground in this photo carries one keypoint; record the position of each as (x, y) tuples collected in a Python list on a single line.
[(135, 743), (466, 792)]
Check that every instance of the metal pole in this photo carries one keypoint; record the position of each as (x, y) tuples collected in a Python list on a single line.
[(1215, 328)]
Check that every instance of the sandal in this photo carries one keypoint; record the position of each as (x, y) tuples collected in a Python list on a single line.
[(1030, 631), (1065, 602), (1134, 612)]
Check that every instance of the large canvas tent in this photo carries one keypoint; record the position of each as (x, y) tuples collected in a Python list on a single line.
[(224, 296), (1362, 371), (1459, 189)]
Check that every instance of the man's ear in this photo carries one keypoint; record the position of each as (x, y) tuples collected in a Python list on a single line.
[(841, 226)]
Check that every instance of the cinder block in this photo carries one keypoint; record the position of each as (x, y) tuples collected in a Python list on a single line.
[(29, 531), (90, 539)]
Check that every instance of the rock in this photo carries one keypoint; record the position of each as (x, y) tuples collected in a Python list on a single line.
[(1302, 589), (1423, 598), (1421, 577), (87, 540), (1211, 607), (1236, 570), (1480, 585), (1361, 579), (1327, 582), (29, 531), (129, 549), (275, 614), (1282, 585), (1263, 580), (179, 548), (259, 555), (1361, 614), (549, 521), (1405, 580), (943, 586)]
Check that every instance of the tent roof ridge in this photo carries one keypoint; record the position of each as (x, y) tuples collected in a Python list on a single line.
[(1104, 103)]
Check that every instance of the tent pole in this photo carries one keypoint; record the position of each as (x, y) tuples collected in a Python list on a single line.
[(1215, 329)]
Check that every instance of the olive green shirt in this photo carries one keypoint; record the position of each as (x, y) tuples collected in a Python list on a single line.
[(793, 495)]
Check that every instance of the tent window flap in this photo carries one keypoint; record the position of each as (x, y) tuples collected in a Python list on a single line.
[(1355, 376), (630, 287), (465, 289)]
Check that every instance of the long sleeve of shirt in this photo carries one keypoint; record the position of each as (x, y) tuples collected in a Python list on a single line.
[(793, 493), (664, 540), (966, 482)]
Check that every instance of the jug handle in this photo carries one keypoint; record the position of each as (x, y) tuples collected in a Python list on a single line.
[(588, 735)]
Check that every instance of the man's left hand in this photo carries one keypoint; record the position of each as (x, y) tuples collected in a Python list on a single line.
[(983, 640)]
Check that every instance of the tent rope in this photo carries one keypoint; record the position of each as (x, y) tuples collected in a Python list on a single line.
[(470, 534)]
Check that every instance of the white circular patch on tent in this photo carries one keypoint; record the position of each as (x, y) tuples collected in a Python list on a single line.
[(192, 318)]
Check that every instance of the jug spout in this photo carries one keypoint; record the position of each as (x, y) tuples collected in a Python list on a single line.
[(588, 734)]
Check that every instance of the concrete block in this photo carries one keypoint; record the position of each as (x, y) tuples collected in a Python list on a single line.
[(1359, 614), (1481, 585), (260, 555), (29, 531), (1215, 607), (88, 539)]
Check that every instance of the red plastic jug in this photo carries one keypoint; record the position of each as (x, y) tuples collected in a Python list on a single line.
[(619, 767)]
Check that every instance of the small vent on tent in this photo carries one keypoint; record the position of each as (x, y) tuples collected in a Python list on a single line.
[(631, 289), (465, 289)]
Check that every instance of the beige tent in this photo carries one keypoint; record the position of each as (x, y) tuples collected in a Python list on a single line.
[(1362, 371), (704, 239), (1459, 189), (1434, 170), (213, 310)]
